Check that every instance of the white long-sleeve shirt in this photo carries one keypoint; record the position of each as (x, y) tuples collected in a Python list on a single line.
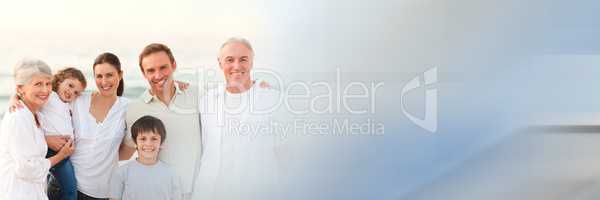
[(240, 143), (23, 163), (96, 145)]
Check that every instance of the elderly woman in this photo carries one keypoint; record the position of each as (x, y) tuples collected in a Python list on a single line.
[(23, 162)]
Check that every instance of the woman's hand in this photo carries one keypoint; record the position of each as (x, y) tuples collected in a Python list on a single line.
[(14, 103), (67, 149), (56, 142)]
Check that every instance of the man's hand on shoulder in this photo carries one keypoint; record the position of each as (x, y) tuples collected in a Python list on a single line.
[(264, 84), (182, 85)]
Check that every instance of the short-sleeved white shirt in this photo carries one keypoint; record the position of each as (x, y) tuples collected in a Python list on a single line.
[(96, 145), (55, 117)]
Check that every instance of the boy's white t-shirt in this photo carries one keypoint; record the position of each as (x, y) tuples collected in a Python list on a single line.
[(55, 117)]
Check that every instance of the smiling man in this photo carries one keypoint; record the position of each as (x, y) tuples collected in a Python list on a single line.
[(236, 60), (177, 108), (239, 162)]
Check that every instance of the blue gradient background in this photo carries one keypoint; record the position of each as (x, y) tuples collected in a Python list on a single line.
[(502, 67)]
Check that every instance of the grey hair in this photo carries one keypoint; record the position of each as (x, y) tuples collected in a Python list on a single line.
[(27, 68), (240, 40)]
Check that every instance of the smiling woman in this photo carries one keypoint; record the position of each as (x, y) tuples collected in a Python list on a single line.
[(23, 163), (108, 74), (99, 124)]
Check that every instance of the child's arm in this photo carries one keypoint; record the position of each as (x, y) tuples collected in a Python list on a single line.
[(14, 103)]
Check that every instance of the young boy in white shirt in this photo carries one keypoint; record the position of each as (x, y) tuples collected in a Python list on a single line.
[(146, 177)]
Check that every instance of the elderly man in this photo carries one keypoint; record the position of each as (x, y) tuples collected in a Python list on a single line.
[(239, 162), (177, 108)]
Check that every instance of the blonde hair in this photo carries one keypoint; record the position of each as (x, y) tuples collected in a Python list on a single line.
[(27, 68)]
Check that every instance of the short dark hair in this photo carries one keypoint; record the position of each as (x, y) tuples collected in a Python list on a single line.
[(155, 48), (148, 124)]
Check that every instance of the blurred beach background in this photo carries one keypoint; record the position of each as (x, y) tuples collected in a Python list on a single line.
[(135, 84)]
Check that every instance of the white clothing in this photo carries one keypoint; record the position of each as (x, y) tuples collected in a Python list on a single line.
[(181, 149), (238, 162), (55, 117), (23, 163), (96, 145), (134, 180)]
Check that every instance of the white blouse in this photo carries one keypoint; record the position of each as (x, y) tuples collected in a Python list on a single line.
[(23, 163), (96, 145)]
